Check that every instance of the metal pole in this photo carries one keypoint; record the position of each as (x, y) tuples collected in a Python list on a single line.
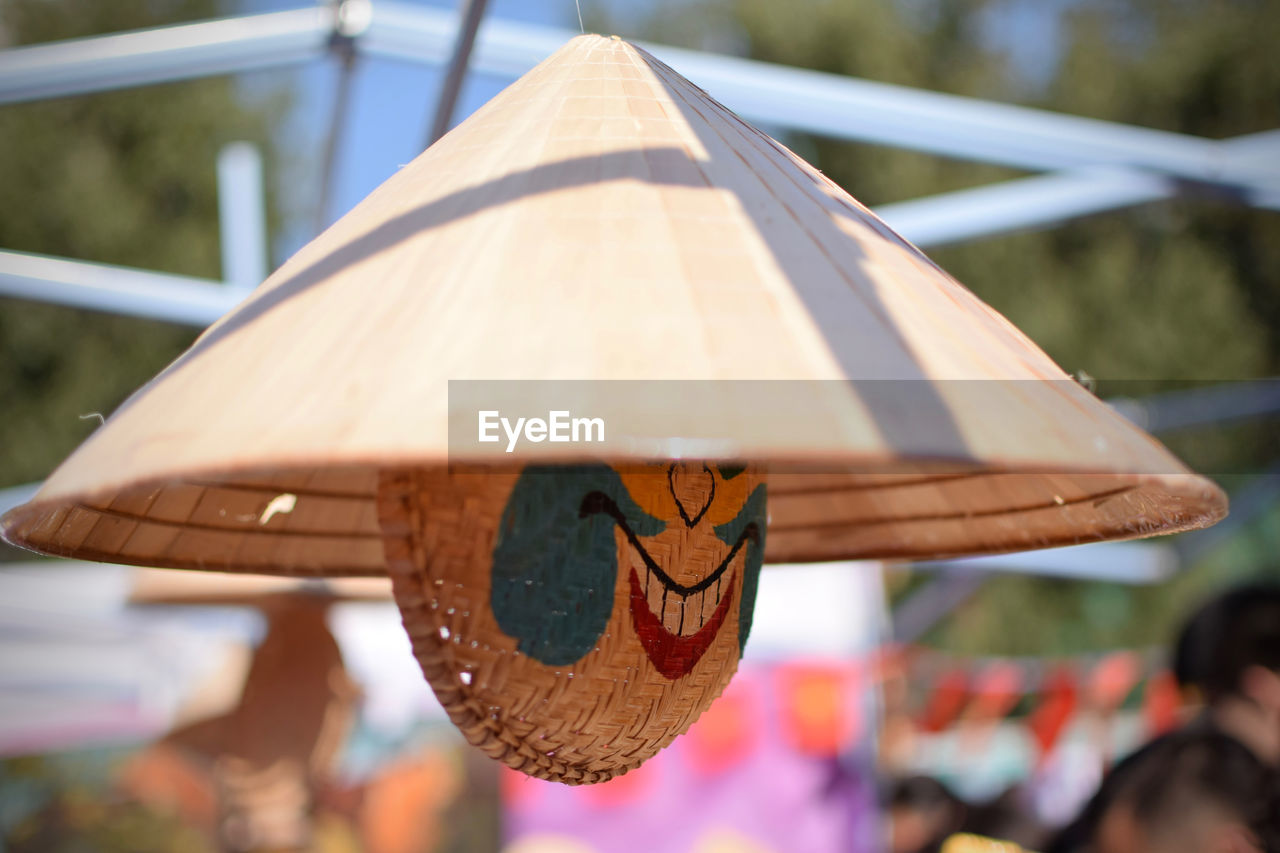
[(242, 220), (815, 102), (118, 290), (472, 13), (351, 21), (17, 495), (1203, 405), (861, 110), (928, 605), (227, 46), (1022, 204), (333, 143)]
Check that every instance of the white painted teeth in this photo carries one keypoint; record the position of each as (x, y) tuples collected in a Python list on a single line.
[(681, 614)]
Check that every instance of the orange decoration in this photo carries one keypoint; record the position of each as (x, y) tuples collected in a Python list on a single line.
[(819, 717)]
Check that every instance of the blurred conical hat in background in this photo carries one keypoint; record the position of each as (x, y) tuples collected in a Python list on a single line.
[(604, 219), (157, 587)]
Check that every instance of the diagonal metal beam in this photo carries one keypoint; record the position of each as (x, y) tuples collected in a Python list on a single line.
[(1044, 200), (1022, 204), (163, 54), (848, 108), (119, 290), (333, 138), (1246, 167), (933, 602), (947, 218), (816, 102), (473, 13), (1203, 405)]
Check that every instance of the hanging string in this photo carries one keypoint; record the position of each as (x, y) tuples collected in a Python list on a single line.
[(578, 4)]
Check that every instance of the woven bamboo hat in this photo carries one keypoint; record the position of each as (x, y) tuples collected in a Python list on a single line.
[(600, 220)]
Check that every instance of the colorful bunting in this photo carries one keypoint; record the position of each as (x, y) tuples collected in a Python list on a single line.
[(1056, 708)]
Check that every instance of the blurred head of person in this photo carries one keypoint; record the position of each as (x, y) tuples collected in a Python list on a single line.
[(1193, 791), (1229, 653), (1007, 818), (922, 814)]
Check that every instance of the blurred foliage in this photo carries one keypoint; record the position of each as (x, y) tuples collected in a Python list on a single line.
[(1181, 292), (125, 177), (1023, 615), (65, 805)]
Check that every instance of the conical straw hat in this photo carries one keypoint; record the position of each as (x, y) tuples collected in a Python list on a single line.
[(602, 220)]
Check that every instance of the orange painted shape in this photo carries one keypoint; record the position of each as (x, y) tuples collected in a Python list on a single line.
[(819, 718)]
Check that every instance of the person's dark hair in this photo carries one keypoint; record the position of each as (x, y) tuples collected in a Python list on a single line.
[(923, 792), (1174, 776), (1225, 637), (1008, 817), (928, 796)]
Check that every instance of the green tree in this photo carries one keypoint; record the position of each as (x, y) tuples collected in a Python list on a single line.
[(122, 177)]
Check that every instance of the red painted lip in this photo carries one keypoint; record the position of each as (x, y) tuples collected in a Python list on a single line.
[(672, 654)]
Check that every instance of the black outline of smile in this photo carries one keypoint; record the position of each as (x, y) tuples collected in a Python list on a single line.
[(597, 502)]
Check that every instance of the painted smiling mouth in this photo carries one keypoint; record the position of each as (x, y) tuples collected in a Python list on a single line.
[(672, 652), (673, 655)]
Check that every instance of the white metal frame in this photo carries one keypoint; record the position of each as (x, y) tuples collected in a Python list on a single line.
[(1092, 166)]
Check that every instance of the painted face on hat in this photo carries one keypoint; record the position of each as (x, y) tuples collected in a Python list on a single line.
[(573, 620)]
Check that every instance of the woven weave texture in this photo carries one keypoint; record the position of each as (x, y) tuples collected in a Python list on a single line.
[(589, 719)]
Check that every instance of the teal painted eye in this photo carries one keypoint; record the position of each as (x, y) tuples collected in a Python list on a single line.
[(750, 523), (555, 564), (728, 472)]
